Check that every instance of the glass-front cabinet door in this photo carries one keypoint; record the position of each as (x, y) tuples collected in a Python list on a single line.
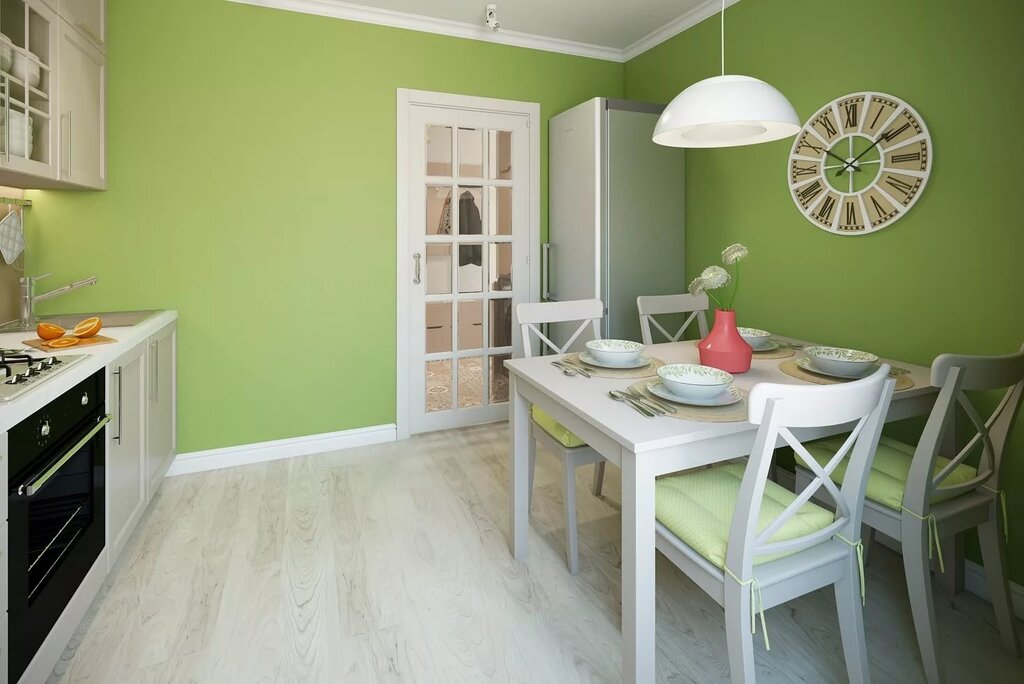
[(28, 87)]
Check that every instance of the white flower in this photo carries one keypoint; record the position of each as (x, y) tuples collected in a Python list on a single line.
[(715, 277), (697, 286), (733, 253)]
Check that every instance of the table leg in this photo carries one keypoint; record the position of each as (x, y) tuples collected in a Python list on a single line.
[(637, 570), (519, 471)]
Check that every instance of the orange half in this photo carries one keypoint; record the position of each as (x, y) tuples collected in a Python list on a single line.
[(88, 327), (62, 342), (49, 331)]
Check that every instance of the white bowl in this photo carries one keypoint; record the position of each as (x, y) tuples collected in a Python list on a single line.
[(755, 337), (25, 70), (6, 52), (615, 351), (840, 361), (692, 381)]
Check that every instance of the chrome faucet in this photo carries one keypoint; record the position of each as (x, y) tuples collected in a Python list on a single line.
[(29, 298)]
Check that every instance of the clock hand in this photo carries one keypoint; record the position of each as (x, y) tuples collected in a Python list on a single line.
[(857, 158), (835, 156)]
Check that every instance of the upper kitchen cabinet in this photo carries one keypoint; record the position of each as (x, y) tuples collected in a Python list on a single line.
[(28, 86), (88, 17), (83, 75)]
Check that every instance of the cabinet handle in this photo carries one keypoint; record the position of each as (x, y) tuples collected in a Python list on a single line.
[(154, 391), (7, 119), (416, 262), (120, 402), (70, 129)]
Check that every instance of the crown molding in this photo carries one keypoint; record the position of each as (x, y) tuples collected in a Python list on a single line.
[(698, 14), (459, 29)]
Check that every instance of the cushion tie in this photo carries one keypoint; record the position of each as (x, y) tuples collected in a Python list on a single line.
[(755, 600), (859, 546), (1002, 502), (933, 535)]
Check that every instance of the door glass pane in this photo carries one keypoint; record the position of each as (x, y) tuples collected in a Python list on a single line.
[(499, 211), (500, 266), (470, 211), (471, 381), (501, 323), (471, 271), (499, 378), (439, 385), (471, 152), (471, 324), (439, 327), (439, 210), (439, 151), (438, 269), (499, 148)]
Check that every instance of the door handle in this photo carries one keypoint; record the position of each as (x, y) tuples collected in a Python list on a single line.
[(545, 258), (416, 261), (33, 488), (120, 402)]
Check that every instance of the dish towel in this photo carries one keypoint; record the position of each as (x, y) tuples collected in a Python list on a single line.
[(12, 237)]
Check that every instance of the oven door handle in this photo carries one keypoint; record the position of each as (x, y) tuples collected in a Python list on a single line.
[(38, 483)]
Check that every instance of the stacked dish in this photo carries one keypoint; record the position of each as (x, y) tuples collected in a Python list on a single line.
[(623, 354), (838, 362), (689, 383), (25, 69), (21, 133)]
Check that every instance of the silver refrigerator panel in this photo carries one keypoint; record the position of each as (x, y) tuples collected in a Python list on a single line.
[(575, 187), (644, 219)]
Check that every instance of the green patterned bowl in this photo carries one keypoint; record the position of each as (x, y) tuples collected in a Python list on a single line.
[(839, 361), (755, 337), (616, 352), (691, 381)]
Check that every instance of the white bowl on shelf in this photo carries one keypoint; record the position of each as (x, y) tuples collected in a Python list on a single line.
[(6, 52), (26, 70), (693, 381), (839, 361), (616, 352)]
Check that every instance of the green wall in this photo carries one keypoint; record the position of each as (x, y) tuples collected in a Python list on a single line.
[(252, 188), (946, 277)]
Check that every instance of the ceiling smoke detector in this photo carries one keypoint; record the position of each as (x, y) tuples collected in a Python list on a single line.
[(491, 18)]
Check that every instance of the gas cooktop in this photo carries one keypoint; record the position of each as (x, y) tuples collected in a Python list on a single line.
[(22, 370)]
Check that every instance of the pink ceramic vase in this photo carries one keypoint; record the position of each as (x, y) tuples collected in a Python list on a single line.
[(723, 348)]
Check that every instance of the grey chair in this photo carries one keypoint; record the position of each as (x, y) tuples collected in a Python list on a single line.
[(919, 497), (752, 544)]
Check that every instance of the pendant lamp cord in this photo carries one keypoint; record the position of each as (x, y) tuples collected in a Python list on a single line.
[(723, 37)]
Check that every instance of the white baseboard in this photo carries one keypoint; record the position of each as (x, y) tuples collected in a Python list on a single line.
[(245, 454), (976, 583)]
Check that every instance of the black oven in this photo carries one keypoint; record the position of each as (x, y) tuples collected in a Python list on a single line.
[(55, 512)]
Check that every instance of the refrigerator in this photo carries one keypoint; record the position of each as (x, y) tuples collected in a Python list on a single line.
[(616, 213)]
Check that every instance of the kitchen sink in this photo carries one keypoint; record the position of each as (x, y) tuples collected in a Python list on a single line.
[(111, 319)]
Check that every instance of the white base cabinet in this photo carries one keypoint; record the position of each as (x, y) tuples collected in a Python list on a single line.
[(160, 406), (126, 473)]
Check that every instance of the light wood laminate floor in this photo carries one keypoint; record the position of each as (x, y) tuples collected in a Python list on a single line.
[(390, 564)]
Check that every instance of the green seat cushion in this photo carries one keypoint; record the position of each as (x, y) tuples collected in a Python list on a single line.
[(698, 507), (889, 470), (556, 429)]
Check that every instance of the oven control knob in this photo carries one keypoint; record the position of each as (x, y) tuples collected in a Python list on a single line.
[(44, 429), (85, 399)]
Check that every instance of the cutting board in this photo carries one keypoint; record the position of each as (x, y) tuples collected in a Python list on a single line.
[(43, 345)]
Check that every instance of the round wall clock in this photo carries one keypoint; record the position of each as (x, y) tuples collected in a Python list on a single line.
[(860, 163)]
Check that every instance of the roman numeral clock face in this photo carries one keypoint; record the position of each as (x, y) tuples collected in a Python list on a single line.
[(860, 163)]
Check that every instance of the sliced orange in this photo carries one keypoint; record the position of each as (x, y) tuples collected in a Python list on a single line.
[(88, 327), (62, 342), (49, 331)]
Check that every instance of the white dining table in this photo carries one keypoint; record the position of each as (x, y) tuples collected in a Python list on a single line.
[(644, 448)]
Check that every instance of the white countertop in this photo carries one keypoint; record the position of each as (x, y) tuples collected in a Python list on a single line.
[(14, 411)]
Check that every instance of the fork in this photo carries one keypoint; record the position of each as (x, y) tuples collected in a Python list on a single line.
[(640, 408), (565, 369), (576, 367), (639, 396)]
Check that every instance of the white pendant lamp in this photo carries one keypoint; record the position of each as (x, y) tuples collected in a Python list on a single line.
[(726, 111)]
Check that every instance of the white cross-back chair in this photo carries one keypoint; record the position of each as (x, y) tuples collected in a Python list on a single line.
[(543, 428), (944, 497), (650, 306), (779, 545)]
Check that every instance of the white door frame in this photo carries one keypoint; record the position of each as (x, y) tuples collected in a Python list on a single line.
[(406, 99)]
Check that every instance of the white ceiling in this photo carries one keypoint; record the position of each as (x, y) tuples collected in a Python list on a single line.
[(615, 30), (609, 23)]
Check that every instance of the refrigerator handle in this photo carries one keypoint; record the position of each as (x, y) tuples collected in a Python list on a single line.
[(545, 257)]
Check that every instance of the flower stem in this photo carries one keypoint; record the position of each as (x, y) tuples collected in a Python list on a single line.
[(720, 305), (735, 286)]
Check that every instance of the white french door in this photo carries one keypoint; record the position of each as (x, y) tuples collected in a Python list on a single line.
[(469, 179)]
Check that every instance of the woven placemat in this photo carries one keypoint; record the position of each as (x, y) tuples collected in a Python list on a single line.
[(733, 413), (782, 352), (903, 381), (650, 370)]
